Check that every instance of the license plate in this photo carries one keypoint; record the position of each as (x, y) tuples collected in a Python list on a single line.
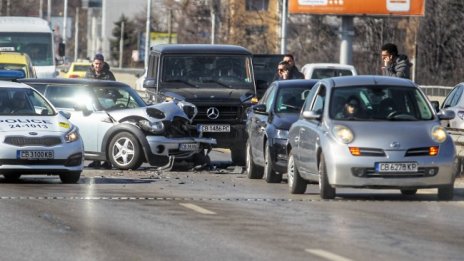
[(214, 128), (189, 146), (396, 166), (35, 154)]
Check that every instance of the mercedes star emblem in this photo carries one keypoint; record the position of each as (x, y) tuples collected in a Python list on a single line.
[(212, 113)]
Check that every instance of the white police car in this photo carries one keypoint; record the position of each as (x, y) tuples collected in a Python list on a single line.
[(34, 137)]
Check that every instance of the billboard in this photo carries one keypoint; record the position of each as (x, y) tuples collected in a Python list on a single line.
[(358, 7)]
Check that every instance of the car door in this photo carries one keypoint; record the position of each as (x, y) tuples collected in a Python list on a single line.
[(454, 101), (79, 102), (309, 132), (258, 125)]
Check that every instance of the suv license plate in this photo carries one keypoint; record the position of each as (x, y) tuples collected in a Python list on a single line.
[(396, 166), (214, 128), (189, 146), (35, 154)]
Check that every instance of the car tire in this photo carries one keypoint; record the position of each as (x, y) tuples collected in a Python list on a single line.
[(238, 154), (269, 174), (253, 171), (12, 177), (70, 178), (446, 193), (408, 192), (296, 184), (125, 151), (325, 190)]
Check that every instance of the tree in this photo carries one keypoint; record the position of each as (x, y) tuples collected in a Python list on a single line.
[(130, 40)]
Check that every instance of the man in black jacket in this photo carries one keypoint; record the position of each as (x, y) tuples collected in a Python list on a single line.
[(294, 73), (394, 64), (99, 69)]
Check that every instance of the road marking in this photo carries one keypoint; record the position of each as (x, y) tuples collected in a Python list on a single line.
[(197, 208), (327, 255)]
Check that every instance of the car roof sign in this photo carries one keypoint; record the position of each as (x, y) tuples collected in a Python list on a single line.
[(7, 49)]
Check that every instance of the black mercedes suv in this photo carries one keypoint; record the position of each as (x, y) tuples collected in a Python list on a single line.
[(218, 79)]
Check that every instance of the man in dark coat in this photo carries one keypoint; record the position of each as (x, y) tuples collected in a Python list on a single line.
[(99, 69), (294, 73), (394, 64)]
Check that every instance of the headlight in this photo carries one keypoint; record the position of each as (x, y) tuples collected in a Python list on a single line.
[(189, 109), (438, 134), (343, 133), (72, 135), (282, 134), (154, 127)]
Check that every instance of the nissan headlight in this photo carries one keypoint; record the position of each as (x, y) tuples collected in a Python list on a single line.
[(281, 134), (343, 133), (156, 127), (438, 134), (72, 135)]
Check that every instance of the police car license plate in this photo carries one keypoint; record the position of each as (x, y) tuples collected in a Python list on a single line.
[(396, 167), (189, 146), (214, 128), (35, 154)]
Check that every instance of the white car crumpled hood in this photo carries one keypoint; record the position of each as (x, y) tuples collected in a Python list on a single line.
[(18, 124), (170, 110)]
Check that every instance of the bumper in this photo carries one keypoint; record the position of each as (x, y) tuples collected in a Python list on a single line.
[(67, 158), (279, 155), (345, 170), (162, 146)]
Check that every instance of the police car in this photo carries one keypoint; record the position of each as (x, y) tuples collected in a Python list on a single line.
[(34, 137)]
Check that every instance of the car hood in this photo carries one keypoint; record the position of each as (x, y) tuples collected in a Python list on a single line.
[(209, 94), (168, 110), (384, 134), (283, 121), (38, 124)]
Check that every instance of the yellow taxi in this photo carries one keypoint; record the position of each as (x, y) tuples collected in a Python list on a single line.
[(17, 61), (77, 70)]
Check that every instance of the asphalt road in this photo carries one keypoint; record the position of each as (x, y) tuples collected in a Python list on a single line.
[(219, 214)]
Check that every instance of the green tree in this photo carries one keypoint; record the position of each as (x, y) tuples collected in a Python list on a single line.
[(129, 37)]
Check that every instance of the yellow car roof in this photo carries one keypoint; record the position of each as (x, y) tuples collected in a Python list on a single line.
[(14, 58)]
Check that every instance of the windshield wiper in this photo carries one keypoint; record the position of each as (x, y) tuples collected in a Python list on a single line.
[(218, 82), (182, 81)]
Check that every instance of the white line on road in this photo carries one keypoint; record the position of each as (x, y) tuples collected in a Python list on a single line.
[(327, 255), (197, 208)]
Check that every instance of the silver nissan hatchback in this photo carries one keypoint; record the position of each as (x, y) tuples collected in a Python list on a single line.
[(370, 132)]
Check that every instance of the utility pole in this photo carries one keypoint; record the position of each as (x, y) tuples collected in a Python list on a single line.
[(49, 11), (76, 35), (283, 32), (147, 33), (212, 6), (65, 22), (121, 44), (41, 9)]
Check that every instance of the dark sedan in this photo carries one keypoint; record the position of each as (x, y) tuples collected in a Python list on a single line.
[(267, 126)]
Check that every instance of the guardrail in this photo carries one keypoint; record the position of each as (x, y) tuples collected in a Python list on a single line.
[(436, 91)]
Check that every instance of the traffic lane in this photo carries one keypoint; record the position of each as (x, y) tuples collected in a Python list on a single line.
[(134, 226)]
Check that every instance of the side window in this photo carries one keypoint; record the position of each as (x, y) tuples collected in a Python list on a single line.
[(449, 98), (457, 96), (310, 97), (152, 72), (266, 95), (319, 101)]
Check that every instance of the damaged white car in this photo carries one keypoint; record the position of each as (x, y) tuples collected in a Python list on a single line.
[(117, 125)]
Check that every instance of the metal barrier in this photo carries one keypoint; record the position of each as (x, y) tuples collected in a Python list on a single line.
[(436, 91)]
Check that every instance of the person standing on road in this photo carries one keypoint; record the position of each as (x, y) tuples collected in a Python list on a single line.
[(394, 64), (294, 73), (283, 71), (99, 69)]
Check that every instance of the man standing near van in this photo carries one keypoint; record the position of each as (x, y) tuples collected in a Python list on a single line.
[(99, 69), (294, 73)]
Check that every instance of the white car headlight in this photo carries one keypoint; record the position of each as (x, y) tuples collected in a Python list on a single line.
[(438, 134), (282, 134), (343, 133), (154, 127), (72, 135)]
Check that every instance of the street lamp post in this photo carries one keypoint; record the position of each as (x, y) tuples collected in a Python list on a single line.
[(147, 33)]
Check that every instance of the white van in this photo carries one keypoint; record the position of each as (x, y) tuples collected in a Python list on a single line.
[(31, 35), (326, 70)]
